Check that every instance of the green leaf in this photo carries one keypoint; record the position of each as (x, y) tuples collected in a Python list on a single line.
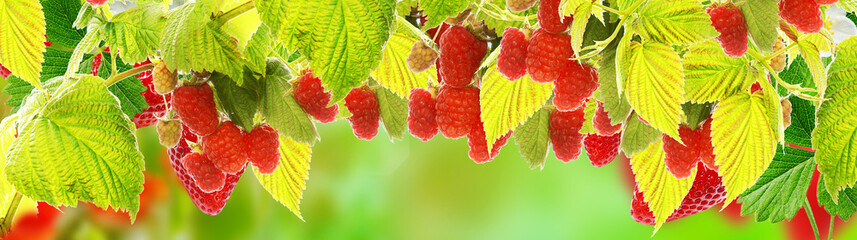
[(257, 50), (614, 103), (796, 73), (661, 190), (696, 113), (711, 75), (22, 38), (837, 122), (762, 22), (7, 192), (588, 116), (239, 102), (281, 109), (812, 55), (673, 22), (655, 85), (847, 201), (437, 11), (533, 138), (499, 25), (637, 135), (59, 19), (84, 16), (578, 27), (135, 33), (126, 90), (848, 5), (57, 158), (803, 122), (744, 143), (393, 72), (274, 14), (87, 44), (192, 41), (287, 183), (394, 112), (781, 190)]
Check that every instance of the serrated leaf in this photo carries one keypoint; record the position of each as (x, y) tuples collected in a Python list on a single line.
[(239, 102), (655, 85), (393, 72), (7, 192), (287, 183), (803, 122), (696, 113), (588, 116), (812, 55), (277, 15), (578, 27), (84, 16), (59, 19), (257, 50), (711, 75), (281, 109), (637, 135), (136, 32), (126, 90), (508, 104), (673, 22), (847, 201), (500, 24), (613, 101), (22, 37), (847, 5), (437, 11), (394, 112), (781, 190), (46, 161), (87, 44), (743, 142), (55, 64), (533, 137), (796, 73), (762, 22), (661, 190), (837, 122)]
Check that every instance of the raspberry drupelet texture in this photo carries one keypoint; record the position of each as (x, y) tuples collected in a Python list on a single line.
[(169, 132), (601, 122), (157, 105), (602, 149), (96, 63), (206, 176), (778, 63), (263, 148), (195, 106), (512, 60), (565, 136), (805, 15), (457, 110), (225, 147), (549, 18), (729, 21), (421, 58), (363, 105), (548, 54), (314, 100), (680, 159), (826, 2), (519, 5), (460, 56), (478, 143), (574, 86), (422, 114), (165, 81), (707, 191)]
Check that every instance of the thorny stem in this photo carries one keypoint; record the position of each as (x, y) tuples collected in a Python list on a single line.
[(134, 71), (6, 224), (235, 12), (811, 217), (794, 89)]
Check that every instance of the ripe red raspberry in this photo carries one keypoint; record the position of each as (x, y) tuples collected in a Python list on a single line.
[(314, 100), (96, 2), (826, 2), (4, 72), (165, 81), (602, 149), (519, 5), (169, 132), (460, 56), (209, 203), (157, 105), (363, 105), (422, 114), (565, 134), (195, 106), (706, 192), (512, 60), (680, 159), (549, 18), (421, 58), (547, 55), (755, 87), (263, 148), (457, 110), (203, 172), (225, 147), (479, 145), (96, 63), (729, 22), (602, 123), (805, 15), (574, 86)]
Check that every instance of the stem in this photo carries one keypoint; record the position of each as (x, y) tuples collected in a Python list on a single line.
[(235, 12), (134, 71), (6, 224), (504, 16), (404, 23), (781, 51), (606, 8), (811, 217), (830, 230), (631, 9), (794, 89), (600, 45)]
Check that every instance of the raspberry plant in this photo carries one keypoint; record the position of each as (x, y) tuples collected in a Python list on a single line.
[(666, 83)]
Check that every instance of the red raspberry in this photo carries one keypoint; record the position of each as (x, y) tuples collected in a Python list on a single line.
[(457, 110), (826, 2), (96, 63), (706, 192), (602, 149), (479, 145), (805, 15), (547, 55), (314, 100), (755, 87), (4, 72), (602, 123), (363, 105), (565, 134), (460, 56), (512, 60), (549, 18), (729, 22), (209, 203), (196, 107), (157, 105), (263, 148), (96, 2), (203, 172), (680, 159), (225, 147), (422, 114), (575, 85), (519, 5)]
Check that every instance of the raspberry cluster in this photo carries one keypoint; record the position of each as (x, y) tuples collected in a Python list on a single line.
[(479, 144), (682, 158), (707, 191), (311, 96), (602, 123), (729, 21)]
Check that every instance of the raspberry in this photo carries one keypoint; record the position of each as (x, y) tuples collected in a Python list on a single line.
[(680, 159), (460, 56), (209, 203), (565, 134), (549, 18), (195, 106), (157, 105), (519, 5), (512, 60), (363, 105), (263, 148), (314, 100), (602, 149), (805, 15), (574, 86), (787, 112), (206, 176), (165, 80), (547, 55), (755, 87), (479, 145), (602, 123), (706, 192), (729, 22), (421, 57), (4, 72), (826, 2), (169, 132), (225, 147), (96, 63), (778, 63), (422, 114), (457, 110), (96, 2)]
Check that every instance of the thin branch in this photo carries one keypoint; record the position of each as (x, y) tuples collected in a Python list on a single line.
[(134, 71)]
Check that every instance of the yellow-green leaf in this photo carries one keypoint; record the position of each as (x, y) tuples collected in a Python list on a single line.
[(711, 75), (22, 37), (7, 192), (134, 33), (287, 183), (811, 52), (393, 72), (674, 22), (655, 85), (661, 190)]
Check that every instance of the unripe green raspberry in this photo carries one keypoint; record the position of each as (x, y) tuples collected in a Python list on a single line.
[(165, 80), (421, 58), (169, 132)]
